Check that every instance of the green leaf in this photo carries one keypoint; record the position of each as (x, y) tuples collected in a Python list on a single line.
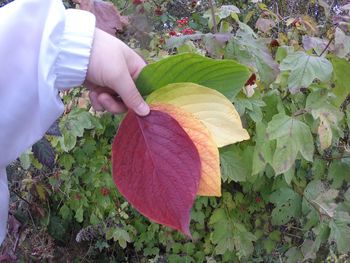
[(329, 116), (341, 79), (79, 214), (230, 235), (249, 50), (262, 151), (292, 136), (73, 125), (341, 43), (25, 160), (304, 69), (243, 241), (322, 234), (340, 231), (118, 235), (225, 76), (294, 255), (287, 206), (232, 164), (339, 172)]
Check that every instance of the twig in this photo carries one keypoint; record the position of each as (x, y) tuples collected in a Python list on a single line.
[(20, 197), (213, 16), (325, 49)]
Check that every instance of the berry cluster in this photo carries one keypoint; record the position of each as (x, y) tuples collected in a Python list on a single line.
[(182, 22), (187, 31)]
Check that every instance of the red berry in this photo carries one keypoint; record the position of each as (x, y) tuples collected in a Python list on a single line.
[(188, 31), (172, 33), (274, 43), (137, 2), (104, 191), (258, 199), (158, 11)]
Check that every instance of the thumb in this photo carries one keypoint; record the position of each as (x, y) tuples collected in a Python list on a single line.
[(131, 96)]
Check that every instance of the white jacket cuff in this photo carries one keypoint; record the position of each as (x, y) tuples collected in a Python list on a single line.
[(75, 48)]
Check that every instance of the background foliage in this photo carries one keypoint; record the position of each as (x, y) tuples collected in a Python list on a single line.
[(286, 191)]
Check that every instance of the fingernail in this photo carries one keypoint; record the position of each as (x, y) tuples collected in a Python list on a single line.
[(143, 109)]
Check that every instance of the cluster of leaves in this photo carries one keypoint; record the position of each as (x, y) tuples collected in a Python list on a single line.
[(286, 191)]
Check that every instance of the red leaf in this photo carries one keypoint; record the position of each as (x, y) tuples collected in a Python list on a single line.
[(157, 168), (108, 18)]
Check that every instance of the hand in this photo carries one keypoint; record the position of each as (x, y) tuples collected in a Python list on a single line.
[(112, 70)]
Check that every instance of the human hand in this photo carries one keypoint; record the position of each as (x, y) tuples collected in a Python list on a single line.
[(112, 70)]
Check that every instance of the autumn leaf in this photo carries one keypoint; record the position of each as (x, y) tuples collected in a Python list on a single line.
[(210, 181), (108, 18), (211, 107), (157, 168)]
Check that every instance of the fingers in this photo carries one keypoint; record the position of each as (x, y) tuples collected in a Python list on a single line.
[(128, 92), (110, 104), (95, 102)]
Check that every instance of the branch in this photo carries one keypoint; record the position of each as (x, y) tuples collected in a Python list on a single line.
[(329, 43)]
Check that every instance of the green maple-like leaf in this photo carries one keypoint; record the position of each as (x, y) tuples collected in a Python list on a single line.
[(288, 206), (232, 164), (304, 69), (292, 136), (339, 172), (262, 151), (341, 79), (249, 50), (230, 235), (340, 231)]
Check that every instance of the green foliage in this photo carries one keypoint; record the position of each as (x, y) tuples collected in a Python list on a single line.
[(286, 191)]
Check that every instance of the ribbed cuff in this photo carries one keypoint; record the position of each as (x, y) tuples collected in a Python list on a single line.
[(75, 47)]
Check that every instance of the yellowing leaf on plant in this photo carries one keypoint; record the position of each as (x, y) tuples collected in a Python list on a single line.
[(211, 107), (210, 181)]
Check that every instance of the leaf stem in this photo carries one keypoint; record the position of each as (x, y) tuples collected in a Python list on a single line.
[(327, 46)]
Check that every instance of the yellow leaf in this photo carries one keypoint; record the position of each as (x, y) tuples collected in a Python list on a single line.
[(210, 181), (211, 107)]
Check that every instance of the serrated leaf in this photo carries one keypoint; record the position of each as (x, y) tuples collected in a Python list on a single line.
[(232, 164), (288, 206), (249, 50), (262, 151), (44, 153), (341, 79), (25, 160), (157, 168), (304, 69), (215, 111), (339, 172), (229, 235), (341, 43), (73, 125), (225, 76), (292, 136), (210, 181), (294, 255), (340, 231)]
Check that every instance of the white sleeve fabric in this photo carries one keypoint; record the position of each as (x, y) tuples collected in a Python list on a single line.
[(43, 49)]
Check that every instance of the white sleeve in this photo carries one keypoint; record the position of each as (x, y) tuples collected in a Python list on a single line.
[(43, 48)]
